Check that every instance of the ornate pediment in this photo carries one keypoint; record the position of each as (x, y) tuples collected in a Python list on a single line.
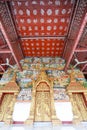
[(42, 78), (11, 86), (75, 86)]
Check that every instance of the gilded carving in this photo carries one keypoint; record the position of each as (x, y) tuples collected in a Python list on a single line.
[(76, 91), (9, 93), (42, 112), (42, 106)]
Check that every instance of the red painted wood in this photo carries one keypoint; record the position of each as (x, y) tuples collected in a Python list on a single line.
[(40, 19), (18, 122), (12, 49), (66, 122), (5, 51), (76, 41)]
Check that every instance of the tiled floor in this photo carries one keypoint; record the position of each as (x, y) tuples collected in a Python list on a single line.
[(59, 127)]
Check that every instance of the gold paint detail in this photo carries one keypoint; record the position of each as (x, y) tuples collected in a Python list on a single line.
[(42, 106), (6, 108), (81, 106), (42, 112), (78, 97), (8, 95)]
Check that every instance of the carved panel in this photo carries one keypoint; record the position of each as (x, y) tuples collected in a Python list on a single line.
[(43, 112), (5, 16), (42, 87), (81, 10), (5, 108)]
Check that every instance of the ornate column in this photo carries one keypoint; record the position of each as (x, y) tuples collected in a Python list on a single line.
[(76, 113), (30, 119), (54, 118)]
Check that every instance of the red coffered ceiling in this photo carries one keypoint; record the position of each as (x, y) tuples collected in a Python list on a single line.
[(44, 47), (42, 25)]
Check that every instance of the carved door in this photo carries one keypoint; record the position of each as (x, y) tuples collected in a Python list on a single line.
[(81, 106), (42, 108), (5, 106)]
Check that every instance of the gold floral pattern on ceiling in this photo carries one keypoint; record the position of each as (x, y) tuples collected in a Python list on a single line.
[(42, 18)]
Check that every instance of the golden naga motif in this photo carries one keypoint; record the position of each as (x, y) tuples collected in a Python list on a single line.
[(78, 97), (42, 106), (8, 95)]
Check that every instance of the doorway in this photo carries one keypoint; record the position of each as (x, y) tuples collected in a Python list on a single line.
[(42, 103)]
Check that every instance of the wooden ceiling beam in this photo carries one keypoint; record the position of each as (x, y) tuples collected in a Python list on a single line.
[(3, 46), (81, 50), (84, 67), (9, 45), (42, 37), (5, 51), (2, 68), (76, 41)]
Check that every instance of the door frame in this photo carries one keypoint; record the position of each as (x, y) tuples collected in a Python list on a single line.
[(45, 106)]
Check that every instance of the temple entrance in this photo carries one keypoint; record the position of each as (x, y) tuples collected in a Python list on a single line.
[(42, 103)]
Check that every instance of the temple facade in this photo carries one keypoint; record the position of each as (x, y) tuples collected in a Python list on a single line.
[(43, 92)]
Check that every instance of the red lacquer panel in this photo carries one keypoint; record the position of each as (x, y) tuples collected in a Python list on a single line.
[(44, 47), (42, 18)]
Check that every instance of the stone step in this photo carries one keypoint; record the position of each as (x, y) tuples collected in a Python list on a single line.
[(1, 123), (36, 124)]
